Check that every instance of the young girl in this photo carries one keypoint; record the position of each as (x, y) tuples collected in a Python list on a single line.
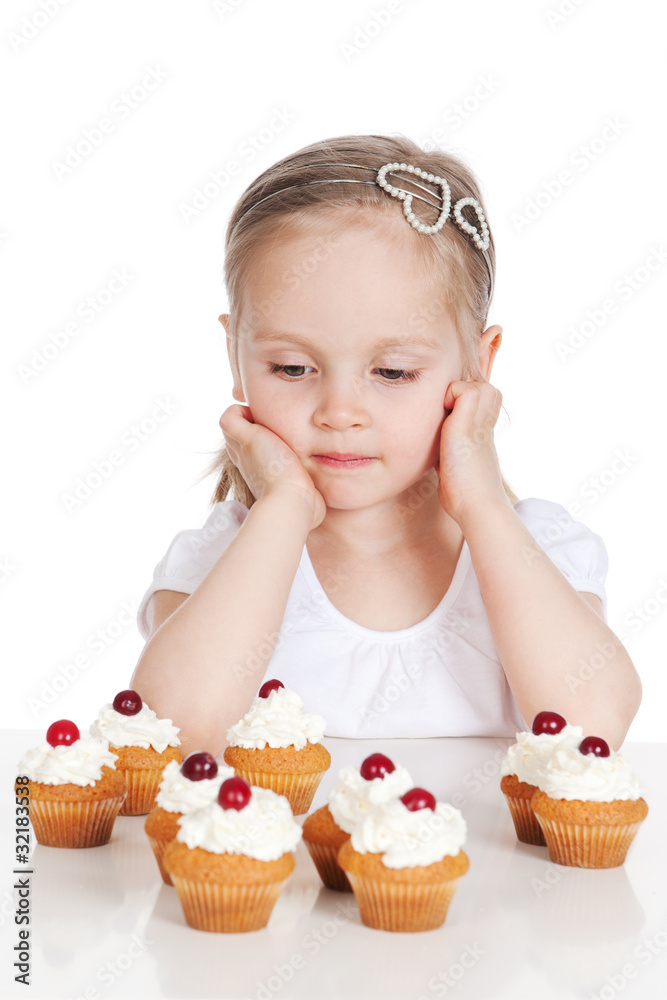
[(373, 558)]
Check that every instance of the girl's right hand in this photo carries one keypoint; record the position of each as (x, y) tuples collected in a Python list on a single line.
[(266, 462)]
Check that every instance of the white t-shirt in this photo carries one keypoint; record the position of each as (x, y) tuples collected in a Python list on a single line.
[(440, 677)]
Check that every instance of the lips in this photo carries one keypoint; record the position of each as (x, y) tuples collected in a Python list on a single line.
[(340, 460), (339, 457)]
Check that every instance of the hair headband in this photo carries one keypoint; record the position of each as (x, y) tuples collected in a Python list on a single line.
[(479, 234)]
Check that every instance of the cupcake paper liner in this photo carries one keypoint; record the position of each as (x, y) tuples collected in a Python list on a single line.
[(225, 907), (74, 824), (298, 788), (527, 828), (142, 788), (325, 858), (402, 906), (159, 847), (582, 846)]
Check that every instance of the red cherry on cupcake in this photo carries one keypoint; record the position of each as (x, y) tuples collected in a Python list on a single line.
[(62, 733), (198, 766), (127, 702), (269, 686), (376, 766), (595, 745), (234, 793), (548, 722), (418, 798)]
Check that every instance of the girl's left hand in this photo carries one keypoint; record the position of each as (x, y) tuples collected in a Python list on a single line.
[(468, 469)]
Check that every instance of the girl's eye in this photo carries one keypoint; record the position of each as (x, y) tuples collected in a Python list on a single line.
[(396, 374), (295, 372), (292, 371)]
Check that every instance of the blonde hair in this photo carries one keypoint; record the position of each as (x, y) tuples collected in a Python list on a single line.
[(459, 275)]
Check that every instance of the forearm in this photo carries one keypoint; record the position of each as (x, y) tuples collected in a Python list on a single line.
[(204, 665), (557, 653)]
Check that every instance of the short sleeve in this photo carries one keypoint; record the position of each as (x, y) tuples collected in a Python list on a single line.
[(191, 555), (577, 551)]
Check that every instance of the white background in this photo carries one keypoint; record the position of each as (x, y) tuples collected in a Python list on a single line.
[(537, 90)]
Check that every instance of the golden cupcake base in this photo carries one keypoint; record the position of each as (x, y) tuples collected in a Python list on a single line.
[(402, 899), (588, 834), (225, 893)]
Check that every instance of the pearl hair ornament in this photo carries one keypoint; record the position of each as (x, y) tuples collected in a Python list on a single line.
[(482, 241), (479, 234)]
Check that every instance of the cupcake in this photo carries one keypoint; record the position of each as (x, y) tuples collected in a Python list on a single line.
[(521, 767), (404, 862), (191, 785), (356, 791), (589, 805), (143, 744), (277, 745), (73, 789), (230, 859)]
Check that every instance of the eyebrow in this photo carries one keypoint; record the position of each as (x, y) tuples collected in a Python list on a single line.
[(414, 340)]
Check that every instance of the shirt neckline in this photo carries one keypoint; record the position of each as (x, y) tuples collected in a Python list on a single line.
[(462, 565)]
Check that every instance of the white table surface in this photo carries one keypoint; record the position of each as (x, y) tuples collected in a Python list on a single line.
[(103, 924)]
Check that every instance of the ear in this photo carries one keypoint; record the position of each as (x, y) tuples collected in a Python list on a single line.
[(237, 391), (488, 348)]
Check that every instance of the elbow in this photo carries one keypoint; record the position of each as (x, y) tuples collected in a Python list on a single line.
[(627, 711)]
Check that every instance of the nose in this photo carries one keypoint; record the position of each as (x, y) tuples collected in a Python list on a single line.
[(341, 404)]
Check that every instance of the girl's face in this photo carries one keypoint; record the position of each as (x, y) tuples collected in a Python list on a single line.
[(345, 350)]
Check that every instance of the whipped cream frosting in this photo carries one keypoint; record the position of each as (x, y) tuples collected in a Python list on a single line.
[(569, 774), (528, 755), (352, 797), (264, 829), (178, 794), (80, 763), (406, 839), (141, 730), (277, 721)]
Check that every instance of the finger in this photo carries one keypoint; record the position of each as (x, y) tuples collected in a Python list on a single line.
[(467, 392), (490, 402), (232, 422)]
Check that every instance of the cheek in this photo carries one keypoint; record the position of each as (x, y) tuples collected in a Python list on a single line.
[(421, 433), (423, 422), (270, 408)]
